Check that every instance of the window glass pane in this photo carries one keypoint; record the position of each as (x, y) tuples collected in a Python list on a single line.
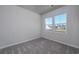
[(60, 22), (48, 23)]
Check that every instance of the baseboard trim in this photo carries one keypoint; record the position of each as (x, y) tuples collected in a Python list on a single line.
[(74, 46), (18, 42)]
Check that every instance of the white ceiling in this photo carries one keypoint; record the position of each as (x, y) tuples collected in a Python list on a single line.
[(41, 9)]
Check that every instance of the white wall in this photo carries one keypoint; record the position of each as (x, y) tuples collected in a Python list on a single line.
[(71, 36), (17, 25)]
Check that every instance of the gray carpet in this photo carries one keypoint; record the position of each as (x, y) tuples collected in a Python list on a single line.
[(40, 46)]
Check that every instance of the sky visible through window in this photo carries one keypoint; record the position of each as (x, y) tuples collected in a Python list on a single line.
[(49, 20), (58, 19), (61, 18)]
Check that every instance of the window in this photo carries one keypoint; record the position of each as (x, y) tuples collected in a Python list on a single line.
[(48, 23), (57, 23), (60, 22)]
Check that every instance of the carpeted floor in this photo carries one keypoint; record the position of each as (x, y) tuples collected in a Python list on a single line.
[(39, 46)]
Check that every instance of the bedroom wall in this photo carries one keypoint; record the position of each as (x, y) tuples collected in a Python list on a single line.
[(17, 25), (71, 36)]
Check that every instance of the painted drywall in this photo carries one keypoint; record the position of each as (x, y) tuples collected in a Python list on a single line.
[(18, 25), (70, 37)]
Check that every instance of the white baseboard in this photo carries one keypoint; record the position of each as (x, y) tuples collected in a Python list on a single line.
[(75, 46), (5, 46)]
